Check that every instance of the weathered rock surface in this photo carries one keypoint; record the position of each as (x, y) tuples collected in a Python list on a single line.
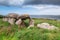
[(11, 18), (31, 23), (14, 18), (20, 23), (13, 15), (11, 21), (5, 19), (46, 26)]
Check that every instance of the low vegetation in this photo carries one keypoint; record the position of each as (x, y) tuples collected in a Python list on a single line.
[(11, 32)]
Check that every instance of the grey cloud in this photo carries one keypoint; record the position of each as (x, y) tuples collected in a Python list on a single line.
[(11, 2), (28, 2), (35, 2)]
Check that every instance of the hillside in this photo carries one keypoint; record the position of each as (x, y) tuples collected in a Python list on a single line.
[(11, 32)]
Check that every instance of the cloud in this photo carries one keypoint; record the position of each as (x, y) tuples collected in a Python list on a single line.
[(28, 2), (42, 7), (11, 2), (35, 2), (45, 9)]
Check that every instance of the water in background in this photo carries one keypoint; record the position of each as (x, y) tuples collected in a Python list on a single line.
[(57, 17)]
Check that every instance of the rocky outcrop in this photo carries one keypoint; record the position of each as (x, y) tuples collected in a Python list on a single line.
[(46, 26)]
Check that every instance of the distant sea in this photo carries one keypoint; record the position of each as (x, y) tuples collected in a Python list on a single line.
[(57, 17)]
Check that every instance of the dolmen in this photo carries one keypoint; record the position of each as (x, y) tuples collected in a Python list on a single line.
[(14, 18)]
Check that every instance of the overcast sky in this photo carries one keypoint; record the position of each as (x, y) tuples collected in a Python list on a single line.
[(32, 7)]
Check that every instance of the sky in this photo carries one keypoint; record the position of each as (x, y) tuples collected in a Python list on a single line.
[(32, 7)]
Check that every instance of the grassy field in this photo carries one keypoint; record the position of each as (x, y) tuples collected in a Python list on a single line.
[(8, 32)]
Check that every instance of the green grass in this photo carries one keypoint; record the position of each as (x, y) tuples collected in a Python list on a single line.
[(29, 34)]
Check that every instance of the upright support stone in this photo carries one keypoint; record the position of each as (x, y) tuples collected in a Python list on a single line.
[(20, 23), (11, 21), (31, 23), (5, 19)]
